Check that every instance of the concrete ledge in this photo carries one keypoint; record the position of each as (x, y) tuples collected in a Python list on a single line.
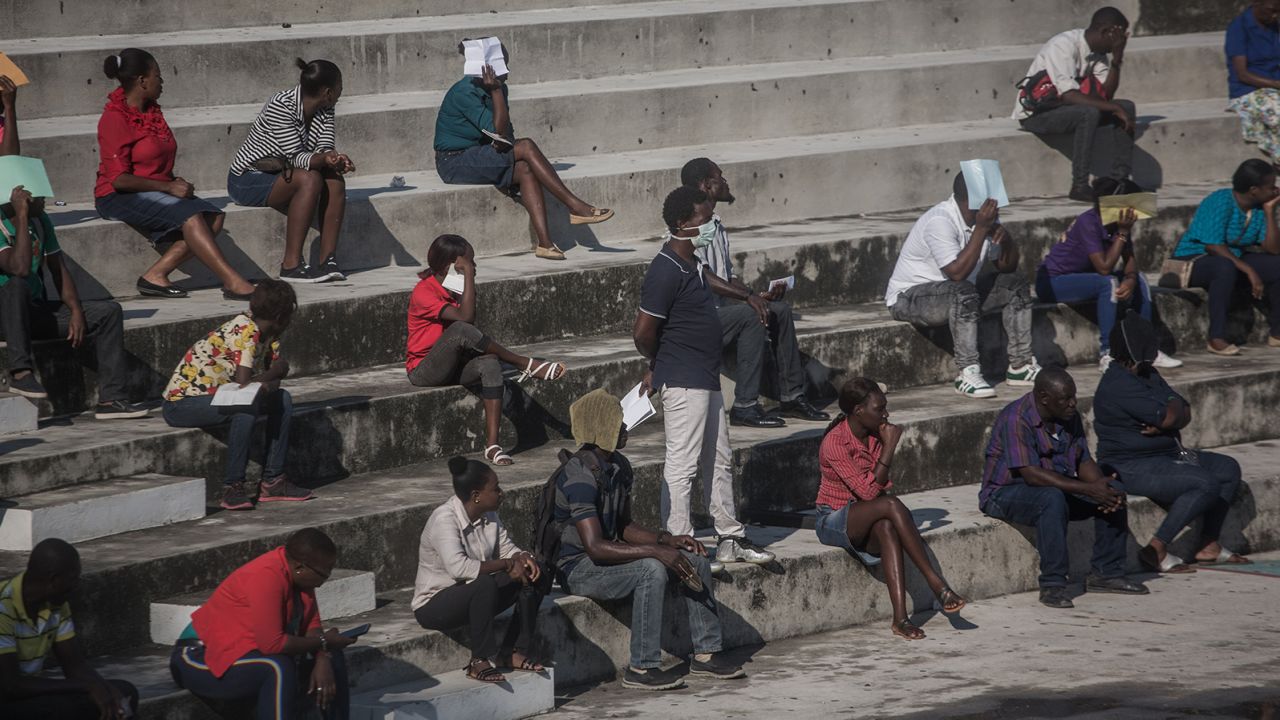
[(347, 592), (453, 695), (100, 509), (17, 414)]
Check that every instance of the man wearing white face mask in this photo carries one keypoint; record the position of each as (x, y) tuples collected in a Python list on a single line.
[(678, 331)]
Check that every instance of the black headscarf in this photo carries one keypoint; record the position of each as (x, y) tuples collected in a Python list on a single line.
[(1134, 341)]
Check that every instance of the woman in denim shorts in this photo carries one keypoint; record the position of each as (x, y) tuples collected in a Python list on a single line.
[(853, 511)]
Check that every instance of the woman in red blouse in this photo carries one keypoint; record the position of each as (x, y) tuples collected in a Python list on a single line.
[(136, 184), (444, 348), (853, 511)]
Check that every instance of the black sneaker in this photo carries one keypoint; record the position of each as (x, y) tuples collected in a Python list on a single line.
[(651, 679), (716, 667), (118, 410), (754, 416), (1118, 585), (1082, 193), (1055, 597), (236, 497), (281, 490), (801, 409), (330, 269), (302, 274), (27, 386)]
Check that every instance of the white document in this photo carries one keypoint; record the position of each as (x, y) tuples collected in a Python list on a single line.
[(498, 138), (788, 281), (983, 180), (231, 393), (636, 408), (454, 282), (480, 52)]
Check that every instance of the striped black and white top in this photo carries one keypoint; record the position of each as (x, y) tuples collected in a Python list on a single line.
[(281, 131)]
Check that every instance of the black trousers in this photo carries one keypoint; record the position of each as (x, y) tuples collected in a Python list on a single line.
[(477, 603), (65, 706), (23, 320)]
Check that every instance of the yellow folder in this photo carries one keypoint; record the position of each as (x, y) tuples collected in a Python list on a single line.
[(1110, 206), (15, 74)]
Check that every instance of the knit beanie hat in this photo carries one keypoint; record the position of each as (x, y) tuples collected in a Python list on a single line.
[(597, 419)]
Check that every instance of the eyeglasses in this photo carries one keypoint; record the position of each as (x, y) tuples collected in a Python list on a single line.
[(321, 575)]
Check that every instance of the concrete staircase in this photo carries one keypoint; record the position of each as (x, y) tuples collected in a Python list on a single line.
[(834, 120)]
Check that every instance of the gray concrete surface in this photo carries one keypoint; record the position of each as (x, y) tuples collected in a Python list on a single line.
[(1198, 646)]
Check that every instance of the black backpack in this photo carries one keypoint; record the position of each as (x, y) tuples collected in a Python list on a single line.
[(546, 530)]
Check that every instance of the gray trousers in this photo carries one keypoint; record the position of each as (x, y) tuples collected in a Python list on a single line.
[(458, 358), (1084, 121), (961, 303), (23, 320), (741, 329)]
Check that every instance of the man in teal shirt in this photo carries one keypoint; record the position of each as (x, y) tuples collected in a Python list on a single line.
[(28, 244), (476, 145)]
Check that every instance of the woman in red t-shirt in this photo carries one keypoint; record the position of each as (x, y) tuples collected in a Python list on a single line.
[(136, 184), (444, 348), (853, 511)]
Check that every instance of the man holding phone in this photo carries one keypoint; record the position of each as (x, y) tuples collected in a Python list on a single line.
[(259, 641)]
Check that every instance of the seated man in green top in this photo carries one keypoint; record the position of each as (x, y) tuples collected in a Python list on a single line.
[(475, 145), (27, 245), (34, 619)]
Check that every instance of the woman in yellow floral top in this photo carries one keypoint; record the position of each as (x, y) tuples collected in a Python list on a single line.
[(244, 349)]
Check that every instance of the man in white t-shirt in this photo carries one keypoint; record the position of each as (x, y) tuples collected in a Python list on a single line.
[(943, 278), (1076, 62)]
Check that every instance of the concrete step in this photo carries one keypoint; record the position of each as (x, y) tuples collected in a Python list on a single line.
[(100, 509), (677, 107), (377, 518), (780, 181), (245, 65), (813, 589), (347, 592), (17, 414), (454, 695)]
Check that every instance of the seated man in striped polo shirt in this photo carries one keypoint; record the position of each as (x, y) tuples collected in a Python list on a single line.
[(34, 619)]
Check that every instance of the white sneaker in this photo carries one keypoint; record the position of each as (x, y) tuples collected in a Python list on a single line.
[(970, 383), (1104, 362), (717, 567), (1024, 376), (1164, 361), (739, 549)]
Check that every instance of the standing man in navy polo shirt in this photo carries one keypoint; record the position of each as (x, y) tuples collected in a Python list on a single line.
[(678, 331)]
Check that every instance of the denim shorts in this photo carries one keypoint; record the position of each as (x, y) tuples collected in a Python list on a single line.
[(477, 165), (153, 213), (251, 187), (832, 529)]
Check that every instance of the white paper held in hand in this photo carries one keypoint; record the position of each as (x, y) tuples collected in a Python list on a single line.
[(230, 394), (983, 180), (480, 52), (454, 282), (789, 281), (636, 408)]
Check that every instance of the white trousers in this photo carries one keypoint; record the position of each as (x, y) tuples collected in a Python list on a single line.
[(697, 429)]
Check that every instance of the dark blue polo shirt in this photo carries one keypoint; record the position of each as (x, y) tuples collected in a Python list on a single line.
[(1122, 405), (1259, 45), (689, 336)]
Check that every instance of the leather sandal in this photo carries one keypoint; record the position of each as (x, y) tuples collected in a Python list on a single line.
[(549, 253)]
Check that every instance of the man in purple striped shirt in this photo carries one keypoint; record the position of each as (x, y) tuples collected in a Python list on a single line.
[(1039, 472)]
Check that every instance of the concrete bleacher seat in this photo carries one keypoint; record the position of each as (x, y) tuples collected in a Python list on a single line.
[(834, 120)]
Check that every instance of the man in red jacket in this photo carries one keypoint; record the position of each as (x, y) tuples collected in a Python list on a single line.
[(259, 636)]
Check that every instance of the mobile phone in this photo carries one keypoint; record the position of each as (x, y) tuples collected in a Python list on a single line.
[(356, 632)]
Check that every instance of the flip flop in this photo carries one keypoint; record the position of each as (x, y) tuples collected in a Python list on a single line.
[(496, 456), (907, 630), (1226, 557), (1170, 565)]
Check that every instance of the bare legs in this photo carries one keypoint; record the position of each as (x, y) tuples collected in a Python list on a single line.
[(299, 198), (534, 173), (885, 527), (198, 235)]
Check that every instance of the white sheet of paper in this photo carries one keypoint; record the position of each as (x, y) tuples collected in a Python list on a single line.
[(636, 408), (983, 180), (497, 138), (789, 281), (480, 52), (454, 282), (232, 394)]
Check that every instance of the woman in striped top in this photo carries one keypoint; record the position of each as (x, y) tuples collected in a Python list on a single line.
[(288, 162), (853, 511), (136, 184)]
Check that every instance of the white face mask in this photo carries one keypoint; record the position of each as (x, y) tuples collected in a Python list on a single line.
[(706, 234)]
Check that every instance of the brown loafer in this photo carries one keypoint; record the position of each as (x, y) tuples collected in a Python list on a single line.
[(551, 253), (1229, 350), (598, 215)]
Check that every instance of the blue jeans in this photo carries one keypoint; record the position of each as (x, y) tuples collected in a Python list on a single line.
[(1187, 491), (646, 582), (198, 412), (1079, 287), (275, 684), (1049, 510)]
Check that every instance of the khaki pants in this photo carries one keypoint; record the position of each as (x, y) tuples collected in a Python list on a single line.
[(697, 429)]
